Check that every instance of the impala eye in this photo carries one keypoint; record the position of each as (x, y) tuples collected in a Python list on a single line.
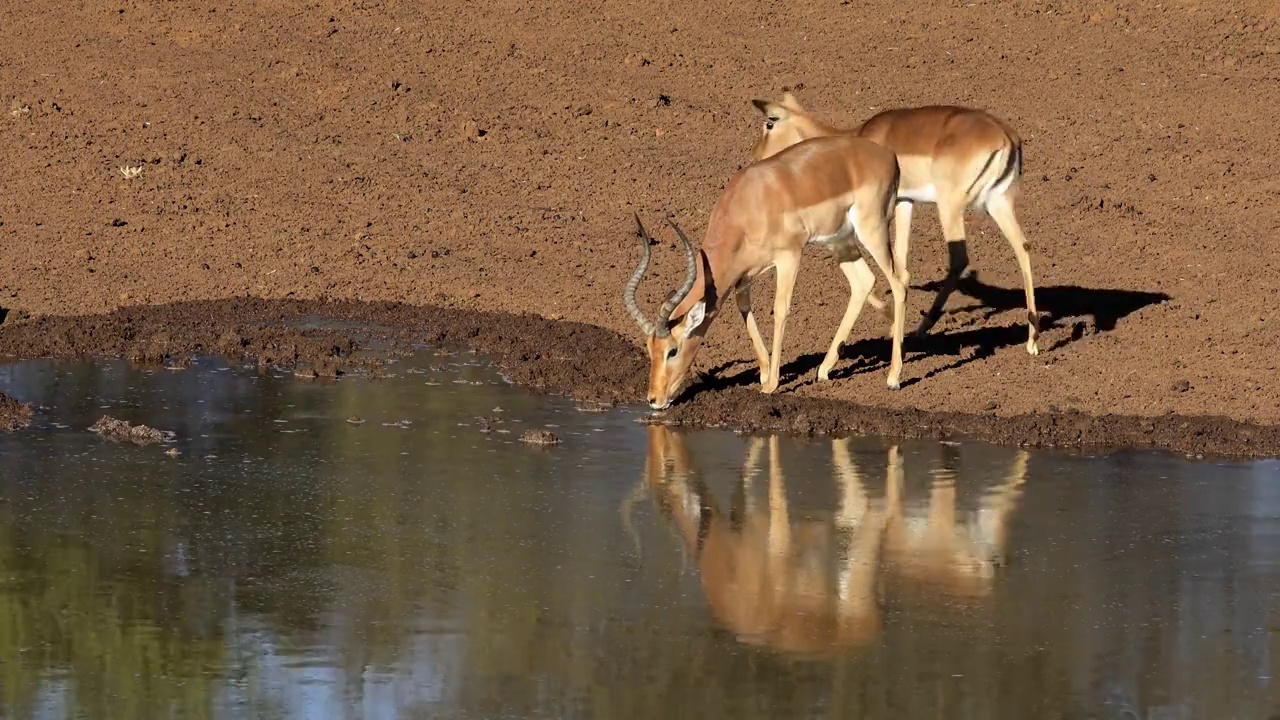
[(671, 354)]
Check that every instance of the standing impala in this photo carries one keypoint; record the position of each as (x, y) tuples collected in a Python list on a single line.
[(955, 157), (836, 191)]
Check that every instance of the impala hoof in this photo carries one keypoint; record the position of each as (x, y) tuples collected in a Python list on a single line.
[(824, 374), (1033, 348)]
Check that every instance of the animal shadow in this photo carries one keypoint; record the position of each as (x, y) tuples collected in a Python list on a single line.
[(1057, 303), (716, 378), (1086, 310)]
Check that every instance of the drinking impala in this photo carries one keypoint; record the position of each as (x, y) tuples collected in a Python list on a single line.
[(836, 191)]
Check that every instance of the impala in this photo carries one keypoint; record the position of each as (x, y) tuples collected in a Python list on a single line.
[(936, 548), (810, 586), (773, 580), (955, 157), (834, 191)]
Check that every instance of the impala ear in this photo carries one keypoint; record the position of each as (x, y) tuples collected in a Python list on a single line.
[(771, 110), (696, 315), (790, 101)]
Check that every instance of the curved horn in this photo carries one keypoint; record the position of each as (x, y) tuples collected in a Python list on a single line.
[(691, 274), (636, 496), (629, 293)]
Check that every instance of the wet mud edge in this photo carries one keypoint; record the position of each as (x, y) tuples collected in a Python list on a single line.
[(583, 361)]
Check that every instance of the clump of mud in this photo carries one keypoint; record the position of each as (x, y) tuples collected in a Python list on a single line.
[(593, 407), (113, 429), (540, 437), (14, 415)]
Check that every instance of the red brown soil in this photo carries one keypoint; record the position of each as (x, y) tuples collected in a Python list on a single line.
[(484, 159)]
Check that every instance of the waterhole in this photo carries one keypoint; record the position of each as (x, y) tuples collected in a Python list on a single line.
[(391, 548)]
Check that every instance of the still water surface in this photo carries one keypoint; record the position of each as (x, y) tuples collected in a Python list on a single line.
[(290, 564)]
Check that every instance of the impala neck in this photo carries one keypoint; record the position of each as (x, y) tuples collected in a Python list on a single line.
[(809, 127), (707, 266)]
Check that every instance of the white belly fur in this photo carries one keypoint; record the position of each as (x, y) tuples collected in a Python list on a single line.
[(923, 194)]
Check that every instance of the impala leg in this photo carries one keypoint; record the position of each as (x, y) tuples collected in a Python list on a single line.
[(901, 234), (894, 480), (751, 469), (786, 265), (743, 296), (879, 305), (744, 500), (951, 211), (861, 280), (901, 243), (873, 233), (779, 513), (1000, 208), (857, 576), (853, 494)]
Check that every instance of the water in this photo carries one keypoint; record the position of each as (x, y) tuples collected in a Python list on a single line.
[(290, 564)]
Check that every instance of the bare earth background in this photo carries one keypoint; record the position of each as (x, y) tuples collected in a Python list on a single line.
[(487, 157)]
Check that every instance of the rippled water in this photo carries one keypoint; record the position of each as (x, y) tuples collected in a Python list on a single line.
[(291, 564)]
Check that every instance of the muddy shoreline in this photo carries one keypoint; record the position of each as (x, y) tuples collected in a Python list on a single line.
[(584, 361)]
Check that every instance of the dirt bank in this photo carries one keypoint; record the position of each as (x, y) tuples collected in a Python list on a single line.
[(486, 157), (585, 361)]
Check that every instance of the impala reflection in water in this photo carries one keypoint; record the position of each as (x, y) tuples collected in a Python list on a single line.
[(809, 587), (427, 564)]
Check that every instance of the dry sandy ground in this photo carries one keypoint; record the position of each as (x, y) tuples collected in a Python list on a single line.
[(488, 157)]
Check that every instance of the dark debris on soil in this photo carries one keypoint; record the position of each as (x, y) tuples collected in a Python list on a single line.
[(592, 364)]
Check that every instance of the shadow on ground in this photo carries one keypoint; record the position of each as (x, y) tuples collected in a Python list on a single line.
[(1086, 311)]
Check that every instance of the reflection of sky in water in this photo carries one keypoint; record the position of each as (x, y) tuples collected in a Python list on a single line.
[(430, 570), (311, 685)]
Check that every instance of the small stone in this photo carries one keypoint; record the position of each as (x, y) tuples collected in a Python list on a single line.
[(1182, 386), (355, 420), (540, 437)]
